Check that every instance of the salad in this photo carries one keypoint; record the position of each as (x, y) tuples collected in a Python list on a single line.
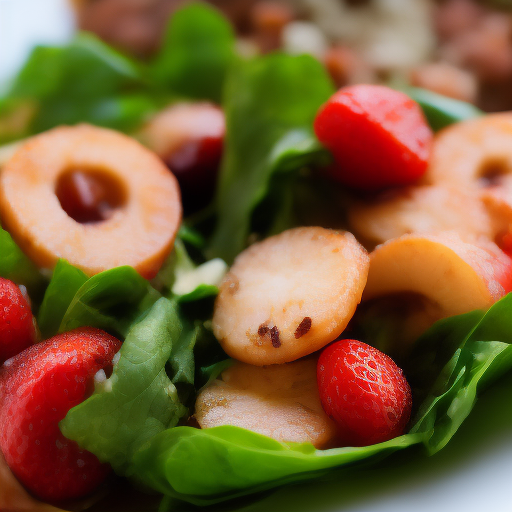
[(322, 280)]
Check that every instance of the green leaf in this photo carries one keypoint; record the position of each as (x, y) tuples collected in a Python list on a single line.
[(442, 111), (476, 363), (216, 464), (65, 283), (85, 81), (138, 401), (111, 300), (270, 104), (178, 462), (17, 267), (197, 51)]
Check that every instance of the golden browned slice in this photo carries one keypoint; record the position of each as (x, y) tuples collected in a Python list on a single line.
[(279, 401), (141, 229), (289, 295), (455, 276), (472, 153), (423, 209)]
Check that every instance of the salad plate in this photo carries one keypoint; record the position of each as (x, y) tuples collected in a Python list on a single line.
[(469, 473)]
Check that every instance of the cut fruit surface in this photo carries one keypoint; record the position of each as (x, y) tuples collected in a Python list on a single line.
[(425, 209), (456, 276), (139, 232), (473, 153), (279, 401), (289, 295)]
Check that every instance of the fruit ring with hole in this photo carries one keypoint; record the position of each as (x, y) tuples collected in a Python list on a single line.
[(289, 295), (476, 155), (454, 277), (129, 202)]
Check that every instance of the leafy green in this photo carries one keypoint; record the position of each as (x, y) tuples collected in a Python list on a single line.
[(442, 111), (65, 283), (138, 400), (182, 278), (85, 81), (178, 462), (111, 300), (270, 104), (197, 51), (17, 267)]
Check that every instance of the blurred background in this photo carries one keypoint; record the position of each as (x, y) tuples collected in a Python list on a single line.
[(459, 48)]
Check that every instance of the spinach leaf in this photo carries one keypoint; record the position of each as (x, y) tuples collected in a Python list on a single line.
[(65, 283), (138, 400), (178, 462), (442, 111), (182, 278), (270, 104), (111, 300), (83, 81), (17, 267), (197, 51)]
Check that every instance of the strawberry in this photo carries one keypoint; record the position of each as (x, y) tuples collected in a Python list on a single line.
[(17, 328), (364, 392), (378, 136), (37, 389)]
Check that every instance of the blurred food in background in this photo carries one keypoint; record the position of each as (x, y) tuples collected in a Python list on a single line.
[(458, 48)]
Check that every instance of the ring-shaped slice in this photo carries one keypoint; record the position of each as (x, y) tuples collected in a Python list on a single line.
[(140, 232)]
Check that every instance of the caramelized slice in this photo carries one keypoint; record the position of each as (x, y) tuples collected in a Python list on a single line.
[(456, 276), (279, 401), (289, 295), (472, 153), (144, 195), (421, 210)]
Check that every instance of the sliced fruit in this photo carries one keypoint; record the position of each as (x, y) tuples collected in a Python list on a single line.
[(279, 401), (37, 389), (472, 154), (289, 295), (379, 136), (189, 137), (456, 276), (17, 327), (364, 392), (140, 230), (425, 209)]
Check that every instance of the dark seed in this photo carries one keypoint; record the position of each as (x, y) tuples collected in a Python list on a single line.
[(274, 337), (303, 327), (262, 330)]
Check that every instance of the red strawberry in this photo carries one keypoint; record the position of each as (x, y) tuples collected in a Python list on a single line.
[(379, 137), (17, 329), (364, 392), (37, 388)]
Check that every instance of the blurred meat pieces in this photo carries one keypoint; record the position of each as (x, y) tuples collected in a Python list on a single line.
[(446, 79), (458, 48)]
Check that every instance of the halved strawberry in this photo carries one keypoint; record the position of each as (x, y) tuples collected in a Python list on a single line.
[(17, 329), (37, 388), (378, 136)]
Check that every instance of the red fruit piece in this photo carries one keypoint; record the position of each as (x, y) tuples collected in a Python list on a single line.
[(37, 388), (364, 392), (378, 136), (17, 329)]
